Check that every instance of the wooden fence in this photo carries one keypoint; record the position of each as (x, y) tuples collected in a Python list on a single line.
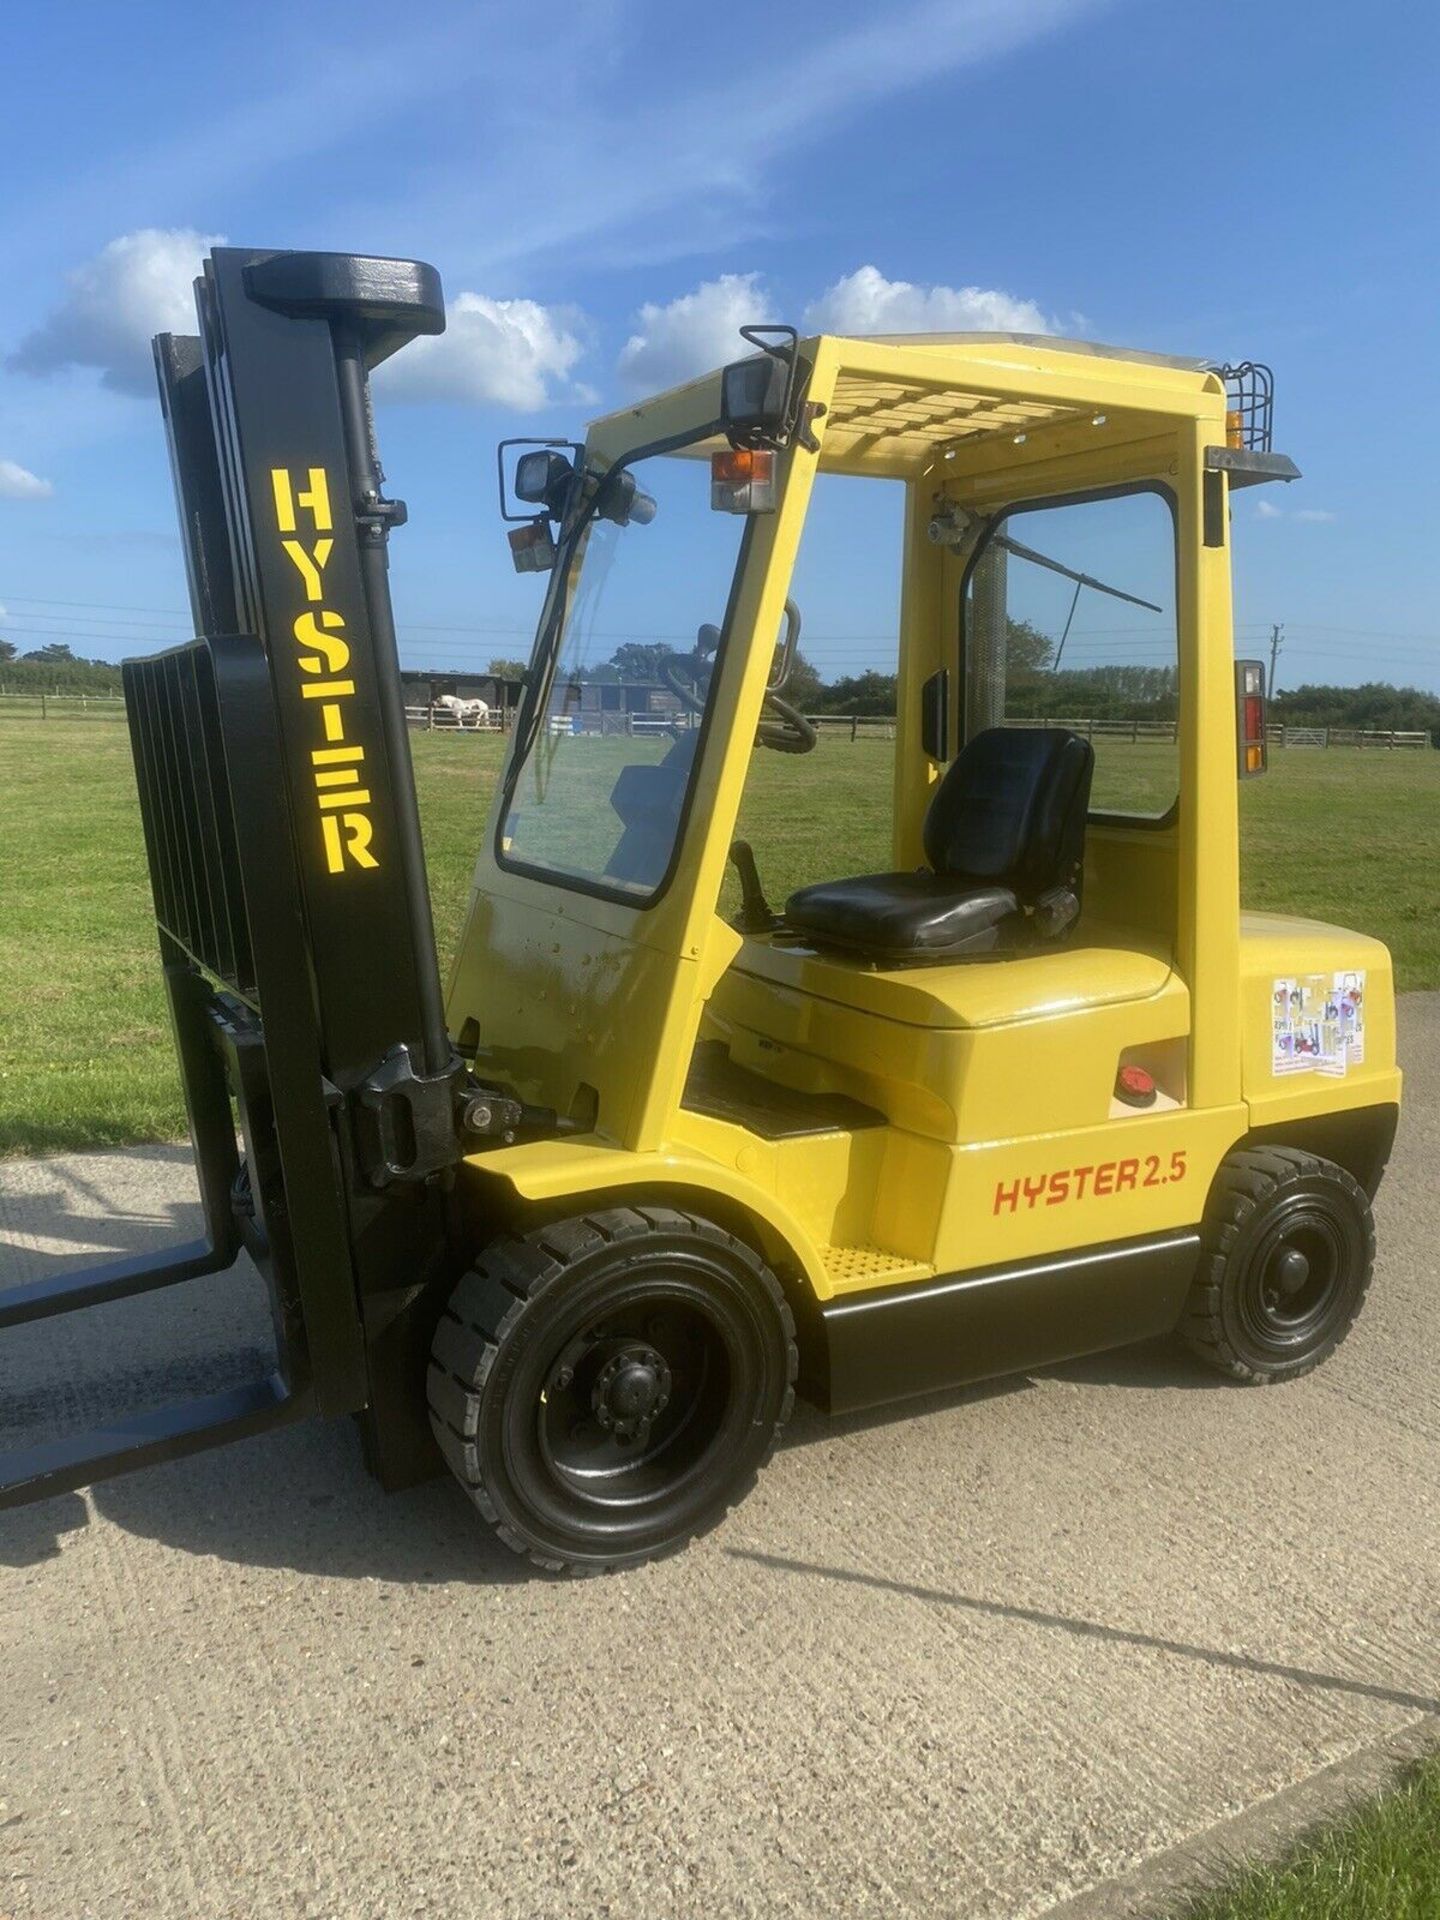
[(446, 720), (1389, 738), (853, 726), (61, 706), (845, 726), (881, 726)]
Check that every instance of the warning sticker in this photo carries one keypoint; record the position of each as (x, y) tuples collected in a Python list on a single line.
[(1319, 1023)]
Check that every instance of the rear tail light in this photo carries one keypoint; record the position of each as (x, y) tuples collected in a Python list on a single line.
[(1250, 718), (1134, 1087)]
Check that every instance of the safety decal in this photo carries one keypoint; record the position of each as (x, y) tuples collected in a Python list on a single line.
[(1318, 1023)]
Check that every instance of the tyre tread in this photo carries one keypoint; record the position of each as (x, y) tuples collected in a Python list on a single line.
[(1244, 1182), (490, 1299)]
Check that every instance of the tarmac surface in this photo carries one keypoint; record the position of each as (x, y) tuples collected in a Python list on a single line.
[(1046, 1648)]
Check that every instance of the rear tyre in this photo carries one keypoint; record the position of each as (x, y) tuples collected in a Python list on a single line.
[(1289, 1250), (606, 1388)]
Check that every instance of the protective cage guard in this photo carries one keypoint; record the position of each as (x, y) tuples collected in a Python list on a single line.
[(283, 842)]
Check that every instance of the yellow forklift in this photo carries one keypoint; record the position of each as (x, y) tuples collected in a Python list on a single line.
[(1038, 1089)]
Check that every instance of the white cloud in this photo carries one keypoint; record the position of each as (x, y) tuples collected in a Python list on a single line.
[(866, 302), (18, 483), (1314, 516), (698, 331), (138, 285), (503, 353)]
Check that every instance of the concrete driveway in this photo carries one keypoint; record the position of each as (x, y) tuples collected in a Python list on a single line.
[(1083, 1630)]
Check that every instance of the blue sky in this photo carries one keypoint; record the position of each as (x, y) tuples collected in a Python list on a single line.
[(608, 189)]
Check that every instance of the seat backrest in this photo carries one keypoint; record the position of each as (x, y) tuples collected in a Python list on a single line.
[(1011, 809)]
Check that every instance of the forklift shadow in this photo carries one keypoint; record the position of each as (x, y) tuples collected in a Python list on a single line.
[(300, 1499), (1163, 1362), (32, 1534), (1151, 1364), (809, 1424), (74, 1220)]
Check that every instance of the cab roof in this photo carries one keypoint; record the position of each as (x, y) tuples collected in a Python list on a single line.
[(900, 403)]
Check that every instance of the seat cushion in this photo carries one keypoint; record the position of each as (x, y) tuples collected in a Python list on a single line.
[(902, 916)]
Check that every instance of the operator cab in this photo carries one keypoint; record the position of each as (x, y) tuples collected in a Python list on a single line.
[(1030, 740), (991, 550)]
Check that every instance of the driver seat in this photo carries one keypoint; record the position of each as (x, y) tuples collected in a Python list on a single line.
[(1005, 838)]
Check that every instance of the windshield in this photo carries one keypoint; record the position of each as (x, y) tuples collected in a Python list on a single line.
[(599, 797)]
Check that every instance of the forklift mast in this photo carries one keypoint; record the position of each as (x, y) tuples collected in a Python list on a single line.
[(283, 838)]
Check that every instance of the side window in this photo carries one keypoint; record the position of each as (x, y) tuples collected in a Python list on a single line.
[(1069, 620)]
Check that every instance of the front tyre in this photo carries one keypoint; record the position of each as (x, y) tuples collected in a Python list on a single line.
[(1289, 1250), (605, 1388)]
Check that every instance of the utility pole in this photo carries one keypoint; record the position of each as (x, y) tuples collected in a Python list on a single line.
[(1275, 632)]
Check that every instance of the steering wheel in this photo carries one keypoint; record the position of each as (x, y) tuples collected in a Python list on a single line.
[(690, 694), (787, 732)]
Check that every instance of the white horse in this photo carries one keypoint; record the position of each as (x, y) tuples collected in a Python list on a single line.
[(464, 713)]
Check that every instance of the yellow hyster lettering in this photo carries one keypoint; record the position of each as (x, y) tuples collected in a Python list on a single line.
[(315, 498), (346, 829), (310, 565), (347, 838), (331, 653)]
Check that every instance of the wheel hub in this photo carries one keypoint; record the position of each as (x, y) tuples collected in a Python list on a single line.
[(1292, 1270), (1295, 1279), (630, 1390)]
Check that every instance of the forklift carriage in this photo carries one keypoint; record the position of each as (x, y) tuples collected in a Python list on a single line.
[(1039, 1090)]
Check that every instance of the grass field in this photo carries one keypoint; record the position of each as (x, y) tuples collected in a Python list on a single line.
[(84, 1048), (1382, 1863)]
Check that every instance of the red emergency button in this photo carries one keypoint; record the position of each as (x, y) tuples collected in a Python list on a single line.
[(1135, 1087)]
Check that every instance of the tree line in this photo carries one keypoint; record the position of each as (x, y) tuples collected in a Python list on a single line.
[(54, 668)]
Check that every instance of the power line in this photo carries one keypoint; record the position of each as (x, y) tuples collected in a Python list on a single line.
[(97, 606), (181, 617)]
